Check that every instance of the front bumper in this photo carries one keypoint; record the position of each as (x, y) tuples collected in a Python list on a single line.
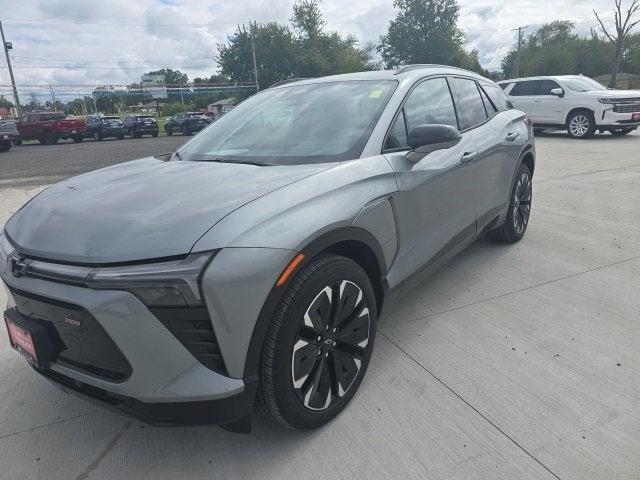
[(167, 384), (610, 118), (9, 136), (112, 132), (145, 130)]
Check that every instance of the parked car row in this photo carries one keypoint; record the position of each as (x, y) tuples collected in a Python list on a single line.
[(574, 103), (49, 127)]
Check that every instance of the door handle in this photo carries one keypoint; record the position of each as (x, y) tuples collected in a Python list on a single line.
[(468, 157), (512, 136)]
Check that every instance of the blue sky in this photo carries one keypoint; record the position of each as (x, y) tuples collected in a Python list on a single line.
[(114, 41)]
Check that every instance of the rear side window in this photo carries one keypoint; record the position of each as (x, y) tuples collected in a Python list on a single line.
[(529, 87), (488, 104), (469, 102), (496, 95)]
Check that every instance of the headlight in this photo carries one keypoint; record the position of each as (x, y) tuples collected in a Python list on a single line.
[(174, 283), (6, 249), (608, 100)]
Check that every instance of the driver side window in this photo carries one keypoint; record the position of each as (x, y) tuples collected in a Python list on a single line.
[(428, 104)]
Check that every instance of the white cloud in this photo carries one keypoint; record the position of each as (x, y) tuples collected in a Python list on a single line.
[(145, 40)]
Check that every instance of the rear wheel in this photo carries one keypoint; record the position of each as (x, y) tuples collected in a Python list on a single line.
[(5, 146), (517, 219), (17, 142), (318, 345), (50, 138), (581, 124), (78, 138), (168, 130)]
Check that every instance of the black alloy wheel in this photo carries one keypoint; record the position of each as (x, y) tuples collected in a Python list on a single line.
[(318, 345), (517, 219), (330, 345)]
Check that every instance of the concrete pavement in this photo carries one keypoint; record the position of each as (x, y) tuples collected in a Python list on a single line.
[(512, 362)]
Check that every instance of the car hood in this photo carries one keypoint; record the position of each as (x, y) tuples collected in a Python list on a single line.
[(140, 210), (613, 93)]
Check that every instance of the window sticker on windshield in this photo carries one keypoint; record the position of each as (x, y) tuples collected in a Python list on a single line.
[(375, 94)]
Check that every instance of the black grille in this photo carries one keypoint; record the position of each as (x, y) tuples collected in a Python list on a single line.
[(80, 342), (626, 107), (192, 327)]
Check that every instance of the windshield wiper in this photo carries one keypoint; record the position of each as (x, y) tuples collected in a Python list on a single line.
[(227, 160)]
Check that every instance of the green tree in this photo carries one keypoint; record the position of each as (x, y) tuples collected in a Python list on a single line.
[(171, 77), (423, 31), (619, 35), (283, 52), (5, 103)]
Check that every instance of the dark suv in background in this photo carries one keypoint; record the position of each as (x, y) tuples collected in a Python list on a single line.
[(138, 125), (186, 123), (8, 135), (100, 127)]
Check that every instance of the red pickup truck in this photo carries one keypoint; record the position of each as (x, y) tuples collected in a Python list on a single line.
[(49, 127)]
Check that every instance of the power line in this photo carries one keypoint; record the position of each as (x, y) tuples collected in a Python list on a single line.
[(105, 68), (70, 22), (111, 61)]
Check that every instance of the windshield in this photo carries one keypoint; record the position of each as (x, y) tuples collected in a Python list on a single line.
[(582, 84), (321, 122), (51, 116)]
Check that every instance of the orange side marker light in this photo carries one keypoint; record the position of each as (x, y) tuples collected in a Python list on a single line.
[(289, 270)]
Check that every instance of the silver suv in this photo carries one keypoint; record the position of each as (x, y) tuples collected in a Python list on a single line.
[(251, 265), (576, 103)]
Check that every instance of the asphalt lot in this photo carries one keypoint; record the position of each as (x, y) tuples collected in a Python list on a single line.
[(34, 164), (512, 362)]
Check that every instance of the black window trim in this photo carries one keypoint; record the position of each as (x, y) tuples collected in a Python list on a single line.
[(401, 109)]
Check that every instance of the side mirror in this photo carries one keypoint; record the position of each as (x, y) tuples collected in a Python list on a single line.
[(558, 92), (425, 139)]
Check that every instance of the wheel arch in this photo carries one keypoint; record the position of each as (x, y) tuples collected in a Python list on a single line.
[(351, 242), (578, 109)]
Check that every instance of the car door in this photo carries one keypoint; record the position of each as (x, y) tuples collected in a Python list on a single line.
[(550, 108), (436, 194), (525, 96), (499, 141)]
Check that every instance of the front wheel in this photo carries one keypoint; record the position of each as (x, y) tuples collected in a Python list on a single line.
[(168, 131), (17, 142), (97, 137), (154, 134), (581, 124), (318, 345), (517, 219), (77, 138), (5, 146)]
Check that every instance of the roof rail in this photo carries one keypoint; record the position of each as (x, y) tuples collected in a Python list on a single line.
[(416, 66), (288, 80)]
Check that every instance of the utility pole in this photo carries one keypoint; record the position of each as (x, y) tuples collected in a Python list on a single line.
[(181, 99), (253, 50), (8, 46), (520, 38)]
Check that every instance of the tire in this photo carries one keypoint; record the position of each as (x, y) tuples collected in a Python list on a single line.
[(137, 135), (78, 139), (187, 131), (42, 141), (581, 124), (168, 131), (154, 134), (97, 137), (5, 146), (50, 138), (622, 131), (298, 401), (17, 142), (517, 219), (120, 137)]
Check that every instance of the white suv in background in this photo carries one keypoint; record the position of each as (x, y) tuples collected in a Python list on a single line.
[(575, 103)]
